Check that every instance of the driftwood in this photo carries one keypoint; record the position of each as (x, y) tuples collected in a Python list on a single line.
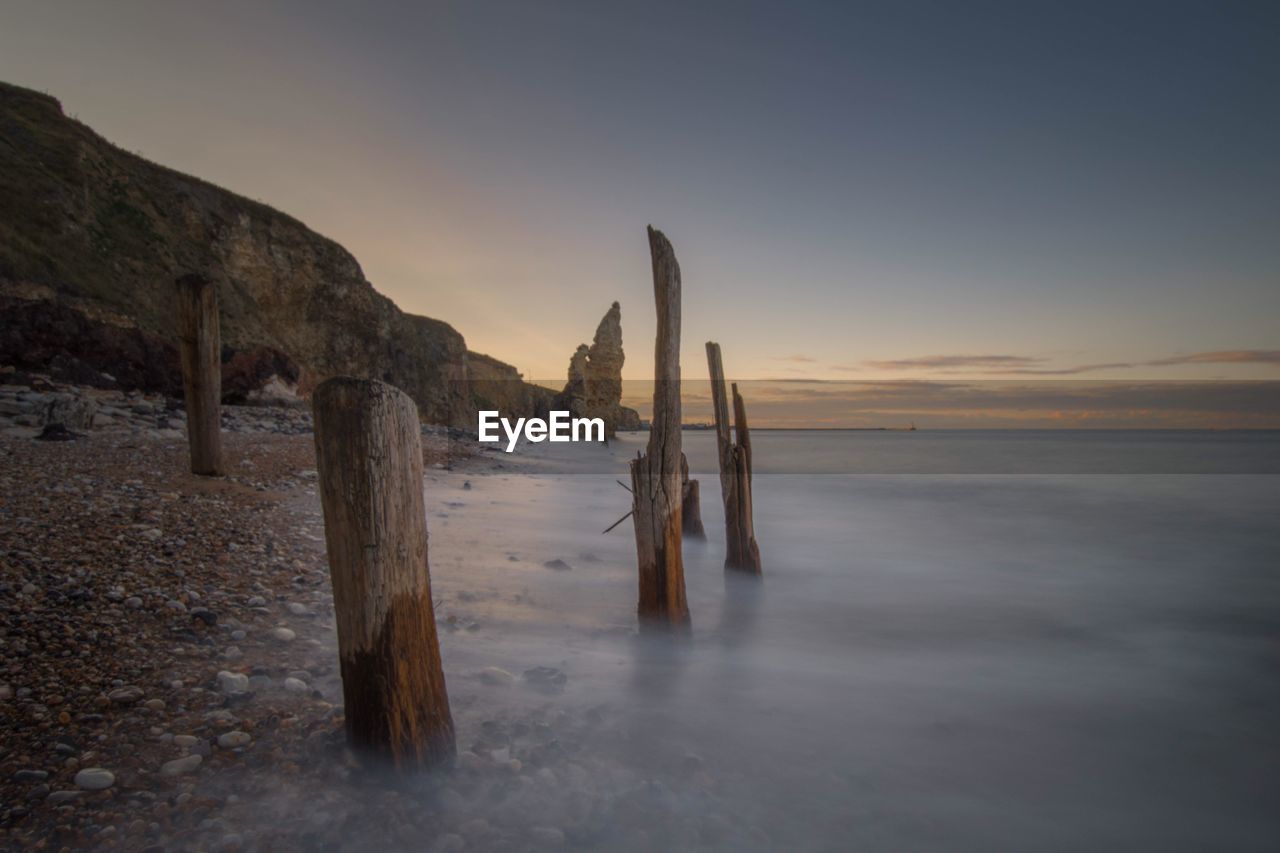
[(201, 347), (741, 551), (690, 503), (369, 457), (655, 475)]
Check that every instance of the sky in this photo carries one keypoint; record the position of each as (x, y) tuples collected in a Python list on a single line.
[(875, 191)]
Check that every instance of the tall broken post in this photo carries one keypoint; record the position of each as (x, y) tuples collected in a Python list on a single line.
[(690, 503), (369, 457), (655, 475), (741, 431), (741, 551), (201, 349)]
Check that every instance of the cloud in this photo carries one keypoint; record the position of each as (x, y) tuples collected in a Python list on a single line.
[(1018, 365), (995, 403), (957, 361), (1060, 371), (801, 359), (1229, 356)]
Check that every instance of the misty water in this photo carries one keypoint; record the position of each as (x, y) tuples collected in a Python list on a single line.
[(985, 652)]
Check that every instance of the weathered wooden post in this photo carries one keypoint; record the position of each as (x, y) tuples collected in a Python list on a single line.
[(655, 475), (741, 552), (369, 457), (201, 349), (743, 433), (690, 503)]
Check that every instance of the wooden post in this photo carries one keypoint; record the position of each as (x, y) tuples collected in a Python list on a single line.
[(369, 457), (690, 503), (743, 433), (201, 348), (741, 551), (655, 475), (748, 552), (720, 407)]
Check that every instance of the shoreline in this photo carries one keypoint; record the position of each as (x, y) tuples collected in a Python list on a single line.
[(177, 632)]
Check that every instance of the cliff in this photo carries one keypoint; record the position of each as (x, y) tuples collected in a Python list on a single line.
[(498, 386), (92, 238)]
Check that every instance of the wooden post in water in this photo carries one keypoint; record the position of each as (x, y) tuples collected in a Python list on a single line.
[(741, 551), (201, 349), (748, 551), (743, 433), (655, 475), (690, 503), (369, 457)]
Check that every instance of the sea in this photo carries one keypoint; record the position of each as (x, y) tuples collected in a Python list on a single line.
[(962, 641)]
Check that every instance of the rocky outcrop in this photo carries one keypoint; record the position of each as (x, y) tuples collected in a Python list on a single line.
[(497, 386), (629, 420), (92, 238), (594, 386)]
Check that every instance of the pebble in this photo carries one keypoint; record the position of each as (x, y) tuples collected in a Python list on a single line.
[(297, 609), (231, 740), (26, 777), (95, 779), (283, 635), (185, 741), (497, 676), (296, 685), (179, 766), (57, 798), (125, 695), (233, 683), (205, 615), (546, 679)]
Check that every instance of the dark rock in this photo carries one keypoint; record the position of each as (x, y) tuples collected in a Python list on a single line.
[(545, 678), (205, 615), (57, 432)]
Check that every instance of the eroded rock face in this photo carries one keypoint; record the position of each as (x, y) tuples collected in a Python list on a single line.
[(92, 238), (594, 386), (497, 386)]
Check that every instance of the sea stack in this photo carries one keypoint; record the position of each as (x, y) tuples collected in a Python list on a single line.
[(594, 387)]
